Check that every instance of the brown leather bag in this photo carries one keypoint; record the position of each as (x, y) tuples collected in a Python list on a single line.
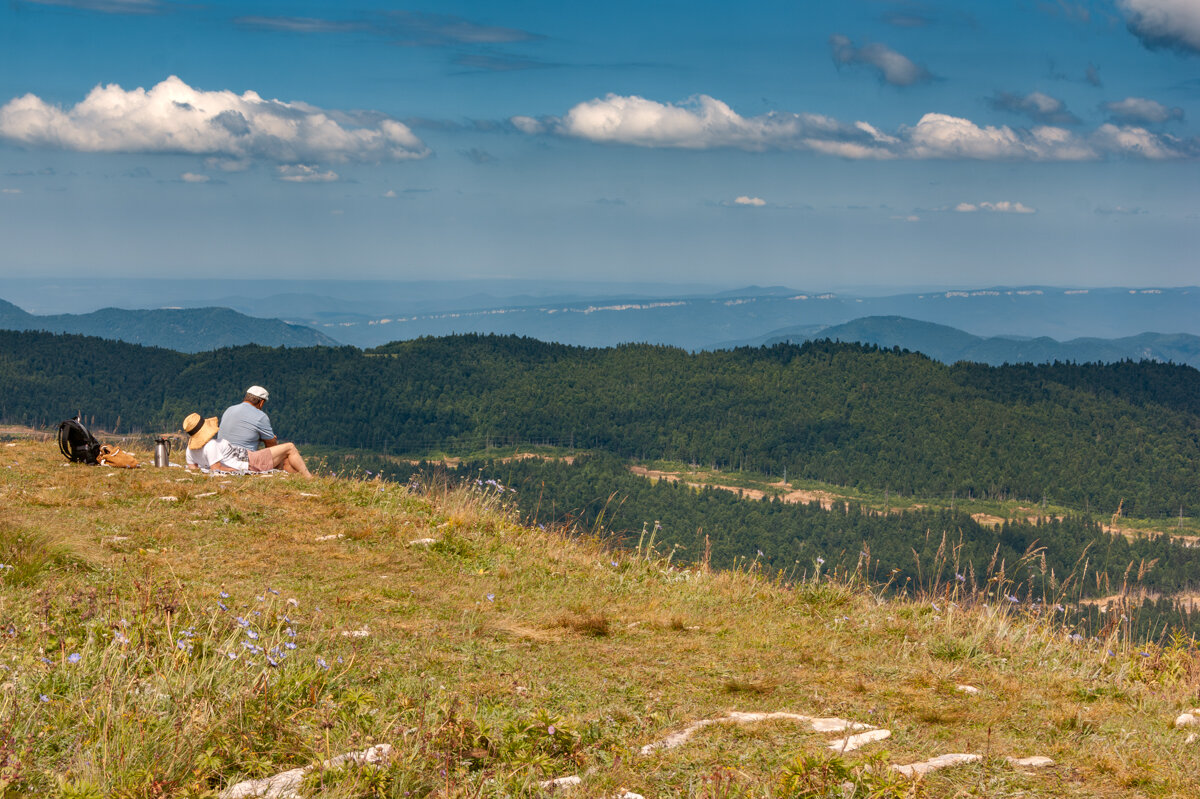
[(112, 456)]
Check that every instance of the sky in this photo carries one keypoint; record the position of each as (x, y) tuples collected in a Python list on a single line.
[(861, 143)]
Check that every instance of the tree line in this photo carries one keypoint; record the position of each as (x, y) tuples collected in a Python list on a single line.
[(1085, 435)]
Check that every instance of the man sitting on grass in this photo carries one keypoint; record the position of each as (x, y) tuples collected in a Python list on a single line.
[(247, 424), (206, 451)]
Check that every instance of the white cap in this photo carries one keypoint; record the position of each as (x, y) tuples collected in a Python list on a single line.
[(258, 391)]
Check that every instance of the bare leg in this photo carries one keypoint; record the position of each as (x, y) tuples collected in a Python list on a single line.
[(296, 463), (287, 457)]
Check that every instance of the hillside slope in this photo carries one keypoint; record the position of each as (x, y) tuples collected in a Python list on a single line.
[(948, 344), (180, 329), (168, 634)]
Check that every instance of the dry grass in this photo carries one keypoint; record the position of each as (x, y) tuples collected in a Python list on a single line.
[(501, 655)]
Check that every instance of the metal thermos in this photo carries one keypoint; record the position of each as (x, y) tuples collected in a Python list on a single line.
[(162, 452)]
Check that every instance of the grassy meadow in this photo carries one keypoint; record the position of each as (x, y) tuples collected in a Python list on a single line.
[(167, 634)]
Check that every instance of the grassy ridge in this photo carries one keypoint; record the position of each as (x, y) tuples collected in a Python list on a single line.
[(498, 656)]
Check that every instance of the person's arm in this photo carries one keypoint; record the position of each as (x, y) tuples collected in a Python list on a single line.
[(265, 432)]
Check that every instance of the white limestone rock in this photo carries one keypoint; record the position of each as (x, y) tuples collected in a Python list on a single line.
[(935, 763), (286, 784), (859, 740)]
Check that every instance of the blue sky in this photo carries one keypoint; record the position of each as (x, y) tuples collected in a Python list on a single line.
[(817, 145)]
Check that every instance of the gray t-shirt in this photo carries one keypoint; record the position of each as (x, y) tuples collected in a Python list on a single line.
[(243, 425)]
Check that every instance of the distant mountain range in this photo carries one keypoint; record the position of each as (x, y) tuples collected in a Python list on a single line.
[(718, 320), (694, 317), (949, 345), (1029, 323), (180, 329)]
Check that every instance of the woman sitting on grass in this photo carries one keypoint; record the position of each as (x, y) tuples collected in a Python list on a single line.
[(206, 451)]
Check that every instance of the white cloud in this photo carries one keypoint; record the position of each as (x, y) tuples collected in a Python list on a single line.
[(172, 117), (527, 124), (704, 122), (304, 173), (894, 68), (1006, 207), (1141, 109), (390, 194), (1165, 23), (757, 202), (1136, 141), (192, 177), (10, 191), (1003, 207)]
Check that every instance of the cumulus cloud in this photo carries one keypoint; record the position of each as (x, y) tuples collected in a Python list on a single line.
[(192, 177), (1173, 24), (1136, 110), (704, 122), (10, 191), (172, 117), (1037, 106), (1140, 142), (945, 136), (305, 173), (893, 67), (1003, 207), (756, 202)]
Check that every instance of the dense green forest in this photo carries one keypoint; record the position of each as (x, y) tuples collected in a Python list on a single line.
[(1035, 566), (1084, 435)]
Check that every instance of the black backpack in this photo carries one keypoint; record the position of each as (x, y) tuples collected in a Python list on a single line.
[(76, 442)]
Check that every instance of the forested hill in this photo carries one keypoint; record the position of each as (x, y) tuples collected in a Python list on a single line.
[(183, 329), (1085, 435)]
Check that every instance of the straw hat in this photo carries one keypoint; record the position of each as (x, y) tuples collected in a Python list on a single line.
[(199, 429)]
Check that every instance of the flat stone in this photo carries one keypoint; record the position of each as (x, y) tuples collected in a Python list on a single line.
[(816, 724), (859, 740), (286, 784), (935, 763), (1189, 719), (1037, 761), (422, 542), (967, 689), (330, 537), (561, 783)]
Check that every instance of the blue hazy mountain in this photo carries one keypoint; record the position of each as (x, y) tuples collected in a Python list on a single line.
[(691, 316), (949, 345), (181, 329), (750, 315)]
